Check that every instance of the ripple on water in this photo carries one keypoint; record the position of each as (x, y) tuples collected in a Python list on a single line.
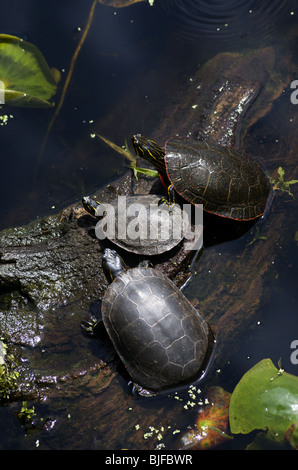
[(227, 20)]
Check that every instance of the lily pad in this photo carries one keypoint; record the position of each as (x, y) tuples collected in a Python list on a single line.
[(266, 398), (26, 77)]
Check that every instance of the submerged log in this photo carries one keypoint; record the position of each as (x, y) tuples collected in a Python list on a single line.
[(51, 272)]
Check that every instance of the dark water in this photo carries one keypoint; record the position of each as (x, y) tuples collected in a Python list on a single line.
[(145, 47)]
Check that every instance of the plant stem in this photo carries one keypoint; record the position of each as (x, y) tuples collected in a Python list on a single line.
[(67, 81)]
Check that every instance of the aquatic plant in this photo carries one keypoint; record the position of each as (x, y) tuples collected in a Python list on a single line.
[(8, 373), (26, 78), (280, 184), (26, 414), (266, 400)]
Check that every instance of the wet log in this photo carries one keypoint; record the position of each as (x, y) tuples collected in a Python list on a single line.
[(50, 270)]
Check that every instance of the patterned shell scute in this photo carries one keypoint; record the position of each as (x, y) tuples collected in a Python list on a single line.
[(225, 181), (149, 230), (160, 337)]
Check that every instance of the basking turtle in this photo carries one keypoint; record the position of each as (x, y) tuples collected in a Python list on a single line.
[(225, 181), (160, 337), (153, 231)]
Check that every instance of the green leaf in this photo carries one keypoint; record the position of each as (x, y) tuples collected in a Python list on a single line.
[(144, 171), (266, 399), (125, 152), (280, 184), (26, 76)]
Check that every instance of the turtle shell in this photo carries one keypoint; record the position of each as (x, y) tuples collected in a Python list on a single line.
[(160, 337), (141, 226), (224, 180)]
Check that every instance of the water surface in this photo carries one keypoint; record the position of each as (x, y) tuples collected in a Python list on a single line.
[(146, 48)]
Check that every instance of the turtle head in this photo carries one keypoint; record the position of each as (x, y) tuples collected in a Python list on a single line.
[(90, 205), (150, 151), (112, 264)]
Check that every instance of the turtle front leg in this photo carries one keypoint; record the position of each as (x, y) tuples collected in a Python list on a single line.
[(145, 264), (170, 199), (138, 390), (92, 327)]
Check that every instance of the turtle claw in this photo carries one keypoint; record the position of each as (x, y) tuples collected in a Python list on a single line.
[(140, 391), (145, 264), (89, 326), (168, 205)]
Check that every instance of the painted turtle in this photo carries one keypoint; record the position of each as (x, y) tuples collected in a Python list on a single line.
[(153, 231), (160, 337), (225, 181)]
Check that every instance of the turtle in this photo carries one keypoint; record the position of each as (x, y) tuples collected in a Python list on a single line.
[(162, 340), (226, 181), (152, 232)]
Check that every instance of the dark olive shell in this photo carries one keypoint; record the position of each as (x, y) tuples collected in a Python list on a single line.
[(160, 337), (224, 180), (144, 228)]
